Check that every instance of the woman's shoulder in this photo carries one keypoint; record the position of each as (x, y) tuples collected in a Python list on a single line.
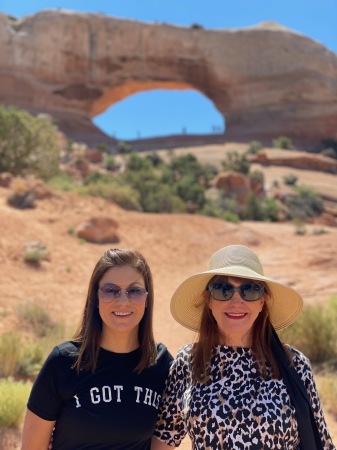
[(298, 358), (65, 350), (163, 355)]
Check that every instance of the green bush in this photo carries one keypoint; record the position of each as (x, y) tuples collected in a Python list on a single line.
[(305, 203), (315, 332), (327, 390), (122, 194), (330, 152), (124, 147), (109, 162), (31, 358), (10, 347), (37, 318), (254, 147), (14, 396), (236, 162), (190, 191), (62, 182), (283, 142), (290, 179), (330, 143), (253, 209), (34, 256), (28, 144)]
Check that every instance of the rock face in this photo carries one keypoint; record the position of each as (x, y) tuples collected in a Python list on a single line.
[(266, 80), (298, 160)]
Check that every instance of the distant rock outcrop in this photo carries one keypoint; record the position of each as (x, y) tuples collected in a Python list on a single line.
[(295, 159), (265, 80)]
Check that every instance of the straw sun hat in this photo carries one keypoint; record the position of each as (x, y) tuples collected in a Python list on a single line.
[(285, 305)]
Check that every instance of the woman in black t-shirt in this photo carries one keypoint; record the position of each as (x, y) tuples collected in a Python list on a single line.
[(102, 389)]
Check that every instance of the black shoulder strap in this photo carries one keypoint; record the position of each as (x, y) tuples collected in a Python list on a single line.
[(307, 427)]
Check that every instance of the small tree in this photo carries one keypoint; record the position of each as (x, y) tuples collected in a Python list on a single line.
[(283, 142), (236, 162), (28, 144)]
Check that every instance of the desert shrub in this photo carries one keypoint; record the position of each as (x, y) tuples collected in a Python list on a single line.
[(271, 209), (257, 175), (330, 143), (229, 216), (331, 152), (290, 179), (136, 162), (122, 194), (98, 177), (102, 147), (35, 252), (315, 332), (161, 200), (31, 358), (62, 182), (109, 162), (283, 142), (190, 191), (188, 165), (305, 203), (28, 144), (33, 256), (155, 159), (327, 390), (14, 396), (254, 147), (37, 318), (10, 347), (124, 147), (236, 162), (252, 209)]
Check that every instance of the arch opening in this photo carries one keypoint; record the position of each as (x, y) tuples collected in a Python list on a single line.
[(161, 113)]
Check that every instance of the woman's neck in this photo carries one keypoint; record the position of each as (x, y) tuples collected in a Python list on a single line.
[(120, 343)]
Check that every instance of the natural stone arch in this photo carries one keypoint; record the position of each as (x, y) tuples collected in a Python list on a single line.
[(265, 80), (158, 104)]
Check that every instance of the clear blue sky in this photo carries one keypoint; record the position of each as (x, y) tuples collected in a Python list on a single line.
[(155, 113)]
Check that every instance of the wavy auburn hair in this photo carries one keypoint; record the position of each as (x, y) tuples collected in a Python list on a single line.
[(208, 336)]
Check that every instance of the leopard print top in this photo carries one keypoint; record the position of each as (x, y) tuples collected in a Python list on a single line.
[(236, 408)]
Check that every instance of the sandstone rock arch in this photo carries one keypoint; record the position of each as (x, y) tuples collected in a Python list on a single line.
[(265, 80)]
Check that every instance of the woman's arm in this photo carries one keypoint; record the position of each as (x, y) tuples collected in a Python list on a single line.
[(156, 444), (36, 433)]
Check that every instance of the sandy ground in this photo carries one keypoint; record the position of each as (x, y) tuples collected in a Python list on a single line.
[(176, 246)]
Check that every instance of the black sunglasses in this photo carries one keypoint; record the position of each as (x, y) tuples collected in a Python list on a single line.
[(250, 292)]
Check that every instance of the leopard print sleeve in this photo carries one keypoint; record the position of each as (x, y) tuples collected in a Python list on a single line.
[(302, 366), (171, 426)]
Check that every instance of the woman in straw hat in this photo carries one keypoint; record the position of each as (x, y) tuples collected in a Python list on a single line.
[(238, 387)]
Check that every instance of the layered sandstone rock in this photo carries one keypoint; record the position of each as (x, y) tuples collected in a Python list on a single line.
[(298, 160), (265, 80)]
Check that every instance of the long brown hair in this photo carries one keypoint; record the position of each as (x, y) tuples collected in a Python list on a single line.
[(208, 337), (90, 329)]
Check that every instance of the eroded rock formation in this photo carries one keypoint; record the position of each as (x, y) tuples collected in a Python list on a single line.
[(266, 80)]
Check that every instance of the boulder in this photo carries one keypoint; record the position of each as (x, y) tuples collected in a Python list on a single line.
[(98, 230)]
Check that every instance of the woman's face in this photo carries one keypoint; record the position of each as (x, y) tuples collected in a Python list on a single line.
[(121, 316), (235, 317)]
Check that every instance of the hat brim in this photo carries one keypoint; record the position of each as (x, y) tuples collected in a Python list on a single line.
[(285, 304)]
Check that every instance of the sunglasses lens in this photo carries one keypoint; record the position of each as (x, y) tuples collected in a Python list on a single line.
[(136, 293), (221, 291), (109, 291), (251, 291)]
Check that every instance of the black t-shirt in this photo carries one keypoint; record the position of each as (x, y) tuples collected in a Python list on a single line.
[(113, 408)]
